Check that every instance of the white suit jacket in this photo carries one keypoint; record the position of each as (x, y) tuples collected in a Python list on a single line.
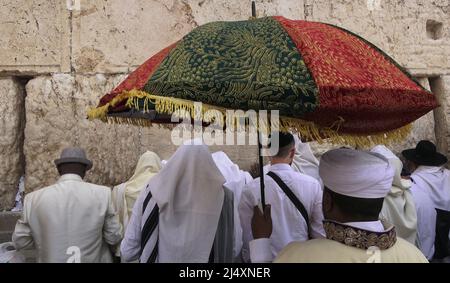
[(70, 221)]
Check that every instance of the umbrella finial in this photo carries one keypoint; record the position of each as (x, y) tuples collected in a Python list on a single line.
[(253, 10)]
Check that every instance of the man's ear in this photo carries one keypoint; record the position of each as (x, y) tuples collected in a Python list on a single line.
[(59, 169), (292, 152)]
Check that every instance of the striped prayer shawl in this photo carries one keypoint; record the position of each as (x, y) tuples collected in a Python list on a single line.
[(149, 230)]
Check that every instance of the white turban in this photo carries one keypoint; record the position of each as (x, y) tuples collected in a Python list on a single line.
[(356, 173)]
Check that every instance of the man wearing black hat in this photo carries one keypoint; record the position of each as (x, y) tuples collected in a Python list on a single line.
[(429, 176), (72, 220), (295, 199)]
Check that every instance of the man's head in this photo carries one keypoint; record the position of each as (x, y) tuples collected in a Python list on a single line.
[(72, 168), (286, 148), (73, 161), (356, 183), (425, 154), (343, 208)]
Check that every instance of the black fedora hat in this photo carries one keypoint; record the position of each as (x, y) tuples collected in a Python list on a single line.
[(425, 154)]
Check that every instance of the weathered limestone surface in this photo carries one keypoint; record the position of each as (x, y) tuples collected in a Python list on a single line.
[(116, 36), (398, 27), (50, 126), (11, 139), (56, 112), (446, 82), (34, 36)]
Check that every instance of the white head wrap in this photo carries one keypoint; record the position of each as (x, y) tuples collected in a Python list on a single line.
[(356, 173)]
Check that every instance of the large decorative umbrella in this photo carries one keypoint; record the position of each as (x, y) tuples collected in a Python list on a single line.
[(325, 81)]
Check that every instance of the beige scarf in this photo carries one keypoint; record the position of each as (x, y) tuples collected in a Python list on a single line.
[(399, 208), (125, 195)]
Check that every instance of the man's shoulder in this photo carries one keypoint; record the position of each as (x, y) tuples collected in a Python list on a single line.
[(40, 191), (97, 187), (407, 247), (305, 178)]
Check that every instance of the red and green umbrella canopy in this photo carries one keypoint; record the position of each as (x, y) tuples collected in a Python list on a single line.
[(325, 81)]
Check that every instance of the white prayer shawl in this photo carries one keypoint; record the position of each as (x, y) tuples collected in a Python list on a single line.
[(189, 193), (229, 169), (236, 180), (426, 220), (398, 207), (436, 181), (304, 160)]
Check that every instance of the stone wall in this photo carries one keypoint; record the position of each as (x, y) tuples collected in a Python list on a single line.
[(11, 139), (74, 53)]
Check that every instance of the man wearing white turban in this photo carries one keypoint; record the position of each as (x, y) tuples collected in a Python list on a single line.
[(356, 183), (398, 207)]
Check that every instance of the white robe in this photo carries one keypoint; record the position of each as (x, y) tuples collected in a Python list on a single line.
[(236, 180), (398, 207), (304, 160), (436, 181), (189, 193), (426, 220)]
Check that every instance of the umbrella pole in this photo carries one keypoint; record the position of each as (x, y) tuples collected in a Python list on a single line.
[(253, 9), (261, 173)]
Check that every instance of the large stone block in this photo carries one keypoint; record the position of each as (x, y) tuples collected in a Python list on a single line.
[(116, 36), (11, 139), (51, 126), (35, 36), (397, 27), (114, 149), (56, 118), (223, 10)]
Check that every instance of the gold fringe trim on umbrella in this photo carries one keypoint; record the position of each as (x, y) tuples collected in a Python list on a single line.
[(218, 115)]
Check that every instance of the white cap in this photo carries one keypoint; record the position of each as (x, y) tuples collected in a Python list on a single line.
[(356, 173)]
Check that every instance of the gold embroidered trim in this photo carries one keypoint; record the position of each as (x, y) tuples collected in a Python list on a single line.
[(359, 238)]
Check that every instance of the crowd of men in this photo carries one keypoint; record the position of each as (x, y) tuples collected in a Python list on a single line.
[(352, 206)]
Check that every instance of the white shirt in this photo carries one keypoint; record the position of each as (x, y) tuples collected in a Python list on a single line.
[(426, 220), (260, 248), (288, 223), (70, 221)]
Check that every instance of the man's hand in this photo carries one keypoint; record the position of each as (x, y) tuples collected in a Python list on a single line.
[(261, 223)]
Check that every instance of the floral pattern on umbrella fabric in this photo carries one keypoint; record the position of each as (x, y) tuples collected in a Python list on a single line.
[(238, 65)]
